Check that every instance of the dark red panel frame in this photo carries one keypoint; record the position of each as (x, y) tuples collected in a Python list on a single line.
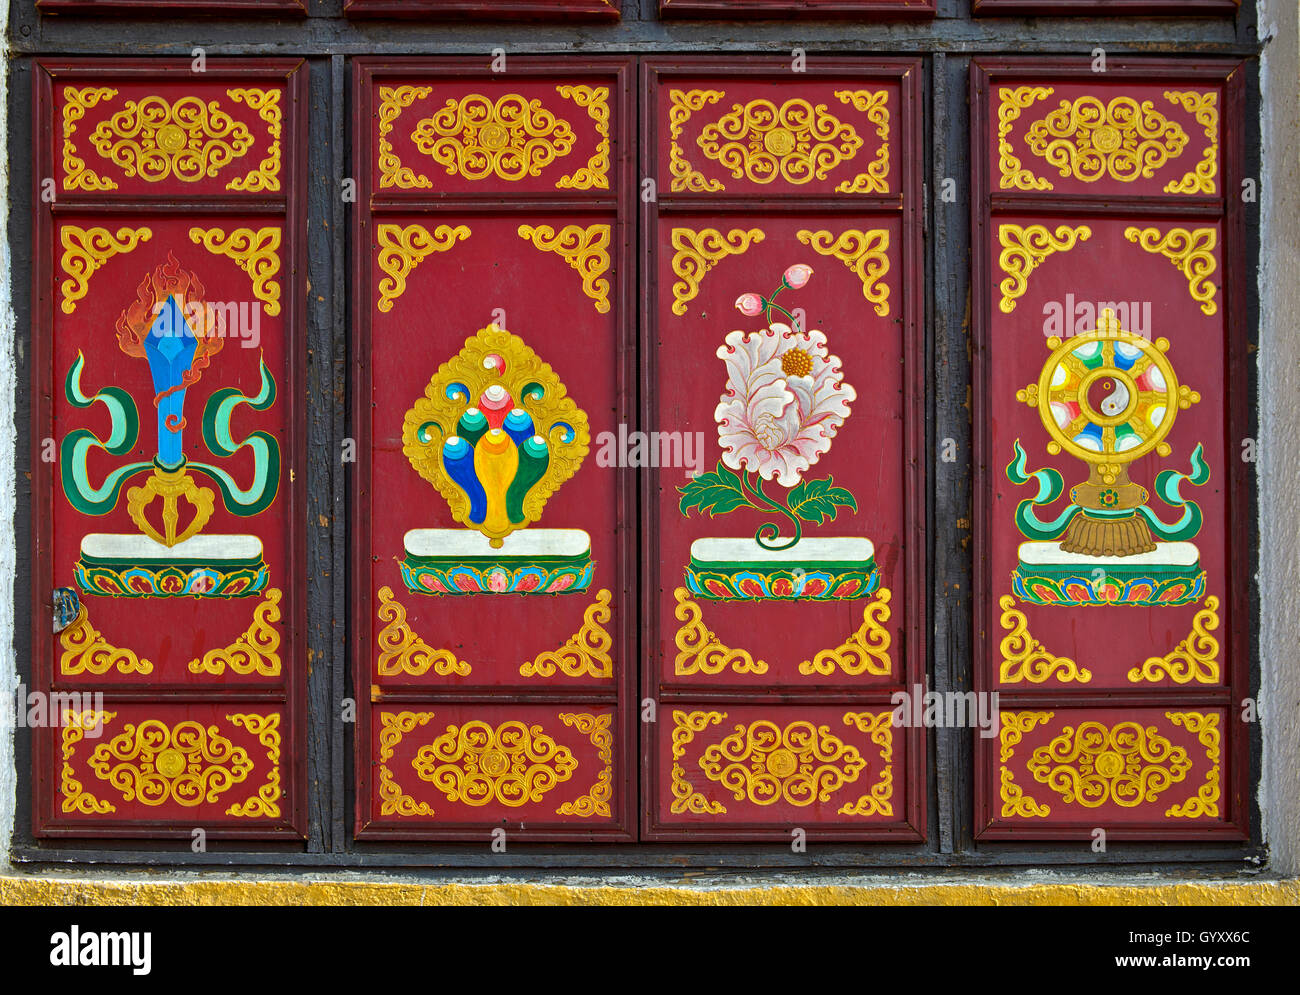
[(794, 700), (180, 7), (524, 10), (1145, 704), (1121, 8), (861, 9), (201, 700)]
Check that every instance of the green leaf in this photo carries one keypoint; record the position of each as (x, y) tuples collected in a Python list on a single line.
[(818, 500), (717, 493)]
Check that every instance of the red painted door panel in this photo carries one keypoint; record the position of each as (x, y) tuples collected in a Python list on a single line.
[(1110, 434), (783, 391), (492, 346), (169, 357)]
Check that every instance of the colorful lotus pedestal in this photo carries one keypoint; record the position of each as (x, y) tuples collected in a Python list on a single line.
[(135, 566), (458, 561), (1167, 576), (825, 569)]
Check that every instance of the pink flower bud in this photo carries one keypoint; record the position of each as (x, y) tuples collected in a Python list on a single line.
[(749, 304), (797, 275)]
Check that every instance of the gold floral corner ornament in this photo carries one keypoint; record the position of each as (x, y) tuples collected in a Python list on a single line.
[(1192, 253), (86, 651), (797, 141), (1206, 800), (265, 177), (875, 103), (586, 249), (401, 249), (864, 252), (697, 252), (587, 651), (401, 651), (1013, 174), (76, 101), (685, 797), (1024, 249), (1204, 107), (684, 103), (1024, 658), (511, 764), (255, 251), (879, 799), (1196, 658), (1014, 801), (865, 651), (799, 764), (87, 249), (1122, 139), (1093, 764), (266, 803), (255, 651), (475, 137), (394, 727), (73, 727), (392, 101), (153, 139), (153, 763), (596, 800), (594, 175)]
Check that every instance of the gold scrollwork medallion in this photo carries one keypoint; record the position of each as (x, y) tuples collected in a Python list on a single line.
[(1014, 800), (800, 763), (1122, 139), (684, 103), (1192, 253), (86, 250), (255, 251), (594, 175), (586, 249), (866, 253), (685, 797), (1093, 764), (401, 249), (1013, 175), (596, 800), (697, 252), (393, 727), (512, 763), (1024, 658), (266, 803), (475, 137), (797, 141), (153, 139), (151, 763), (1024, 249)]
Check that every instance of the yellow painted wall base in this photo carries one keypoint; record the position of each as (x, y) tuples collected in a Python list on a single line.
[(22, 890)]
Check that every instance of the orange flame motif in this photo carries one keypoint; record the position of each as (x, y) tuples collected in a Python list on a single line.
[(207, 324)]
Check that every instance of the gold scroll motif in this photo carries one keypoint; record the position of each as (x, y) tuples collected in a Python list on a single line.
[(393, 727), (685, 797), (73, 729), (153, 763), (512, 764), (1192, 253), (1014, 801), (866, 253), (594, 175), (1023, 249), (266, 803), (1206, 800), (684, 103), (1204, 106), (1093, 764), (875, 103), (1122, 139), (697, 252), (1013, 175), (266, 176), (879, 799), (596, 800), (797, 142), (1196, 658), (865, 651), (587, 651), (86, 651), (392, 101), (401, 249), (153, 139), (1024, 658), (586, 249), (76, 174), (255, 251), (401, 651), (799, 764), (255, 651), (511, 138), (86, 250)]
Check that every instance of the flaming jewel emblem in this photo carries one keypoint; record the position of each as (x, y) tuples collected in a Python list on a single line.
[(496, 434)]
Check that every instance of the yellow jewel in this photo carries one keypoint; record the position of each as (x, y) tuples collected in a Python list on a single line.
[(171, 486)]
